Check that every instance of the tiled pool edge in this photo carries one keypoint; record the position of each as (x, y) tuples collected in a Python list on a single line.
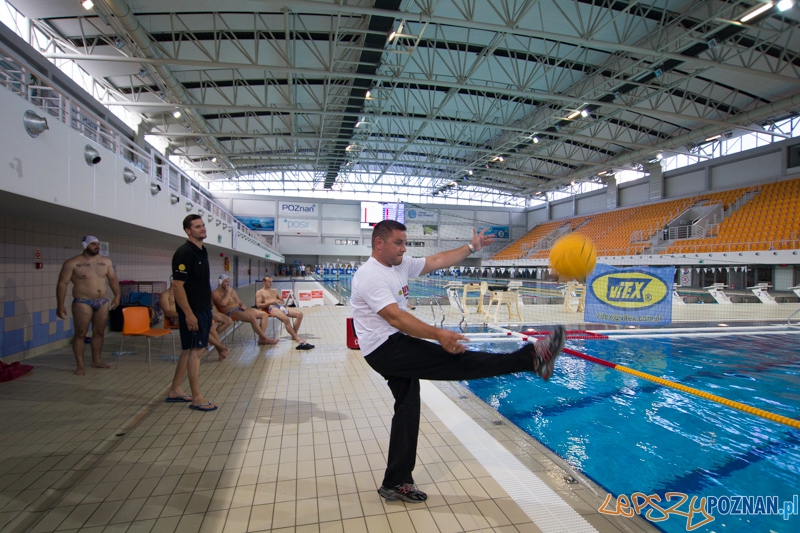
[(583, 497)]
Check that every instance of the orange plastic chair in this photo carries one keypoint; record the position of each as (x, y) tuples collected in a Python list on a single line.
[(136, 323)]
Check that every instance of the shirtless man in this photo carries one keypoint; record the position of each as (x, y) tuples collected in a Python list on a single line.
[(228, 303), (166, 300), (88, 273), (268, 299)]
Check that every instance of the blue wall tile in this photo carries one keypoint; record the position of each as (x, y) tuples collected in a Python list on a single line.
[(8, 309)]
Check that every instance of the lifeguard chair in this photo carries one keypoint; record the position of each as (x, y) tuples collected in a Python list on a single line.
[(574, 295), (482, 288), (511, 299)]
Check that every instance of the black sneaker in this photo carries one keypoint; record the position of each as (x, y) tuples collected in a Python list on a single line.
[(546, 351), (407, 492)]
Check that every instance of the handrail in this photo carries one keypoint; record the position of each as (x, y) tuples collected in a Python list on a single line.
[(56, 103)]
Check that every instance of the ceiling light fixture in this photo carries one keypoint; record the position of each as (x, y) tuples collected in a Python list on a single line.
[(783, 5), (756, 12), (585, 113), (574, 114), (396, 32), (87, 4), (714, 138), (535, 139), (176, 113), (214, 159)]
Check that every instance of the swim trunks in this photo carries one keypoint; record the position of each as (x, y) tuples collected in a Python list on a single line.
[(94, 304), (279, 307)]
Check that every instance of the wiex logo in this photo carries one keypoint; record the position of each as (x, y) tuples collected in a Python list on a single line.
[(626, 290), (630, 290)]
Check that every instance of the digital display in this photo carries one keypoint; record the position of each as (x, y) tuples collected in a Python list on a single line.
[(374, 212)]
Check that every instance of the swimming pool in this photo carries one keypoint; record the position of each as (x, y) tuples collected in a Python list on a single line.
[(426, 286), (633, 436)]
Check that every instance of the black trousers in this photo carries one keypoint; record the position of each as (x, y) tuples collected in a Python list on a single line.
[(403, 360)]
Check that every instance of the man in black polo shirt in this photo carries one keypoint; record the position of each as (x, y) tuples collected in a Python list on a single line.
[(192, 288)]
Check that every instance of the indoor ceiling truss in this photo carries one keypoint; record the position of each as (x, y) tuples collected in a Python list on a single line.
[(499, 97)]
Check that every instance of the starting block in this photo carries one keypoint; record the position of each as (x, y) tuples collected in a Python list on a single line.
[(676, 298), (760, 290), (796, 290), (715, 291)]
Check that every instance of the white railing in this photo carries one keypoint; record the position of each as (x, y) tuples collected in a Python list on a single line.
[(60, 106)]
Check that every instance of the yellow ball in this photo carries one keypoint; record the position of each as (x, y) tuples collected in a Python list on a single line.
[(573, 256)]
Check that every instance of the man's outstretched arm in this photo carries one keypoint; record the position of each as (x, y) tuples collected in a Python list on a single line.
[(453, 257)]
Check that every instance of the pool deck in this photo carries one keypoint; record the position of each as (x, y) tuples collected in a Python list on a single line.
[(298, 444)]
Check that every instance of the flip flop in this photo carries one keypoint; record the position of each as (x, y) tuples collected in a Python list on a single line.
[(184, 398), (204, 407), (305, 346)]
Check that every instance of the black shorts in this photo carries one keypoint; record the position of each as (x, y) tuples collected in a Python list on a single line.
[(191, 340)]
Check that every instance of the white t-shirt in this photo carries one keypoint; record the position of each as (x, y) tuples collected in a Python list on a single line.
[(374, 287)]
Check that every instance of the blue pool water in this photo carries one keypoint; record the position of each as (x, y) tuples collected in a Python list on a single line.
[(630, 435)]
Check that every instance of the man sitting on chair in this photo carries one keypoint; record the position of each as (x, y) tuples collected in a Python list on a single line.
[(268, 299), (166, 300), (228, 303)]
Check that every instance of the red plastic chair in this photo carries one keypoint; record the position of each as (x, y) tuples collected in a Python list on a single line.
[(136, 323)]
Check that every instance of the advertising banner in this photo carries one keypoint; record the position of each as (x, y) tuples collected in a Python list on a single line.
[(298, 226), (296, 208), (258, 223), (421, 216), (637, 296), (499, 232)]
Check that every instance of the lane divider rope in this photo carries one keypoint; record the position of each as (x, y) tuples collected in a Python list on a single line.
[(689, 390)]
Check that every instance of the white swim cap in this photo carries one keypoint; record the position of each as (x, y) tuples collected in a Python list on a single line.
[(89, 239)]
